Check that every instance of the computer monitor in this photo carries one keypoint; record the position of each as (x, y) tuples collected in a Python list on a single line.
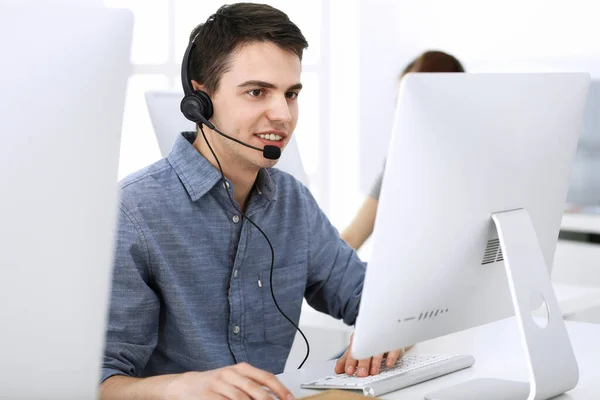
[(472, 199), (168, 122), (62, 94)]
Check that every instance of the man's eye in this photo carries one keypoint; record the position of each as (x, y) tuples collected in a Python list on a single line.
[(292, 95), (255, 92)]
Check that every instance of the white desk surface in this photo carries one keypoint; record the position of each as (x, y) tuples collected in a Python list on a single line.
[(573, 298), (498, 354), (581, 222)]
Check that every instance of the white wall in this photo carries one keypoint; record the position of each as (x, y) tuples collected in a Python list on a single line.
[(343, 108), (510, 35)]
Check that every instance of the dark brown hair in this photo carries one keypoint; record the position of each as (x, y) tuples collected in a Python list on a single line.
[(434, 61), (232, 27)]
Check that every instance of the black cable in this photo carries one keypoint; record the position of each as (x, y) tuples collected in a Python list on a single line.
[(270, 246)]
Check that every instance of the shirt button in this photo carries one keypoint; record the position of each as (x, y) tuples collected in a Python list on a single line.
[(236, 219), (236, 329), (226, 185), (235, 272)]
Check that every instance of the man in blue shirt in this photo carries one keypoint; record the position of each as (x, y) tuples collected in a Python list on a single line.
[(191, 314)]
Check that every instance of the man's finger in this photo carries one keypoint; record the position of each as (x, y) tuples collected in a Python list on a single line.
[(376, 364), (228, 388), (393, 356), (364, 367), (264, 378), (350, 364), (340, 364), (349, 361)]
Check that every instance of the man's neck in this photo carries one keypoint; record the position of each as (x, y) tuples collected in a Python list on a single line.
[(242, 178)]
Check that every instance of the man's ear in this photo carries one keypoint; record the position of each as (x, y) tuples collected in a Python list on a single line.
[(198, 86)]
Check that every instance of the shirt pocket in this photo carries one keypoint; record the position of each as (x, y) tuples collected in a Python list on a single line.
[(289, 284)]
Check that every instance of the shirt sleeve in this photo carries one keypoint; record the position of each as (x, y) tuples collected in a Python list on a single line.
[(132, 330), (335, 272)]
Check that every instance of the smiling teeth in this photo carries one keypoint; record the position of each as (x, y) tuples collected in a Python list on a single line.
[(271, 136)]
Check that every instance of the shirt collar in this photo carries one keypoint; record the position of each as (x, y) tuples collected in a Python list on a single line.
[(199, 176)]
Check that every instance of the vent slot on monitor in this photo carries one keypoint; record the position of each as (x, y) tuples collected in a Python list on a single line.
[(493, 252)]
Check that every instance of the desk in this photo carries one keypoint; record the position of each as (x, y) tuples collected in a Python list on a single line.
[(498, 354), (580, 222), (574, 299), (576, 261)]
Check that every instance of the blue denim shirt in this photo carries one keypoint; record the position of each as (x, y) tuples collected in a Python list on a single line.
[(190, 288)]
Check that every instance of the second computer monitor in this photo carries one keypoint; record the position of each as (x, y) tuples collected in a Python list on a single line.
[(464, 146), (62, 94)]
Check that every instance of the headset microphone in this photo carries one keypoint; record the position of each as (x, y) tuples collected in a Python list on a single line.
[(192, 111)]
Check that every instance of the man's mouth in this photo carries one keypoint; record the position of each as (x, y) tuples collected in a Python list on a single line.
[(271, 137)]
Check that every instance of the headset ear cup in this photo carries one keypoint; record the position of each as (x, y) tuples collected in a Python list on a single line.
[(207, 107), (197, 107), (191, 108)]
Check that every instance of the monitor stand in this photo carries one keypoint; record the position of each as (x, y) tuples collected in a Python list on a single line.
[(552, 367)]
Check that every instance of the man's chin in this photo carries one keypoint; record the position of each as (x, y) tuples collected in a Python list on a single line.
[(266, 163)]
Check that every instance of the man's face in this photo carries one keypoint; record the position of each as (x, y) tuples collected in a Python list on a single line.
[(256, 102)]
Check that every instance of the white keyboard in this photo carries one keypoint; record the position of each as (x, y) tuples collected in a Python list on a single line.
[(407, 371)]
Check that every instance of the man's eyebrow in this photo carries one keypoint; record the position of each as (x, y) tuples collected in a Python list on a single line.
[(297, 86), (267, 85)]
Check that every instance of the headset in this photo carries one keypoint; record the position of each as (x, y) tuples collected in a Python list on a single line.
[(197, 107)]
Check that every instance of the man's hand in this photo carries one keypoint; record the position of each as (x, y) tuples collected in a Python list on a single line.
[(368, 366), (239, 382)]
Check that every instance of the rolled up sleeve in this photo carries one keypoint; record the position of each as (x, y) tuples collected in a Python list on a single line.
[(132, 330)]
